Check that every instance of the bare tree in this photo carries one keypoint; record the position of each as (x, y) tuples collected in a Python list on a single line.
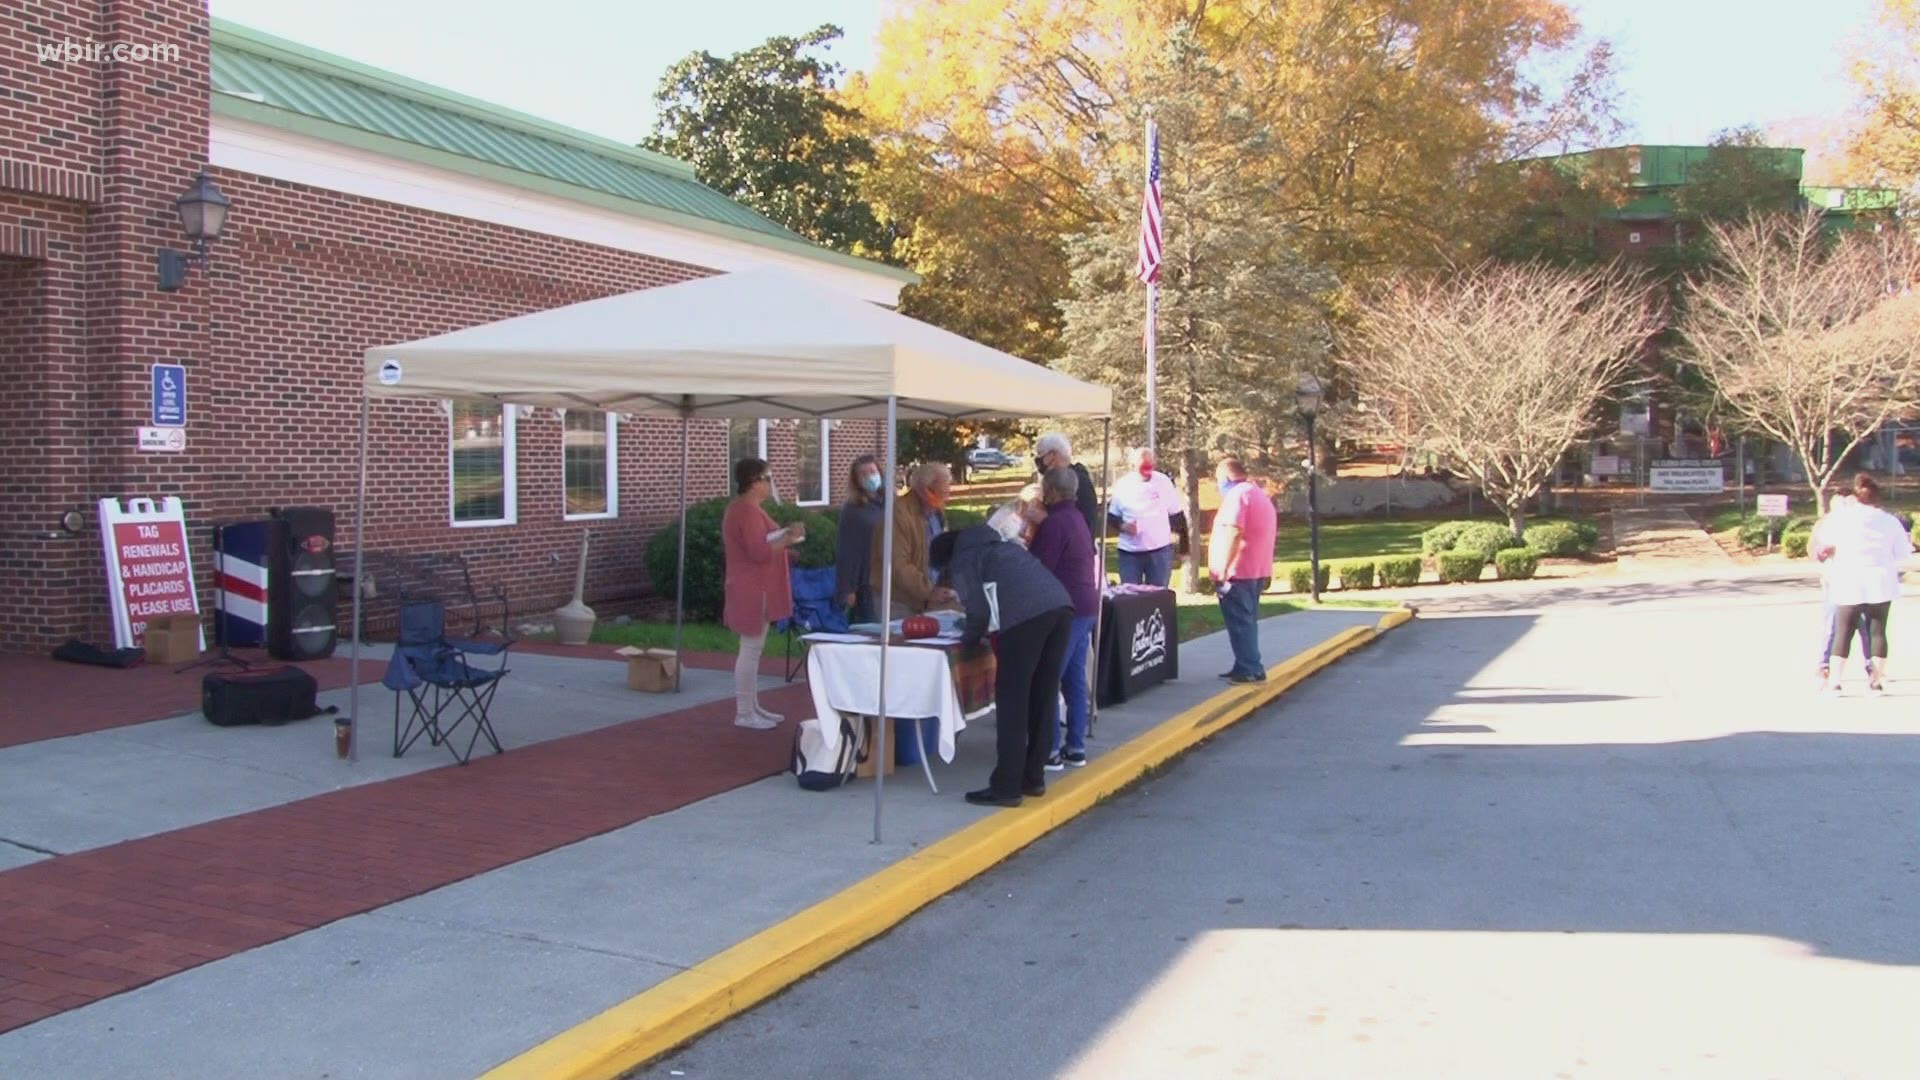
[(1500, 368), (1811, 340)]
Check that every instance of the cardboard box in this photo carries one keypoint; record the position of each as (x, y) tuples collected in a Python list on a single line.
[(865, 768), (173, 639), (650, 670)]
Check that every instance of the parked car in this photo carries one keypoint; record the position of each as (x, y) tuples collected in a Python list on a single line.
[(988, 457)]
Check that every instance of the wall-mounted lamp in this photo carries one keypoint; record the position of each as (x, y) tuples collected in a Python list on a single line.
[(203, 213)]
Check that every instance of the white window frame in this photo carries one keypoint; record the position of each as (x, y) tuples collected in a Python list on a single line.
[(613, 469), (826, 462), (760, 452), (509, 452)]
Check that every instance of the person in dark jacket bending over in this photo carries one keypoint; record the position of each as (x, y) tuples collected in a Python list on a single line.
[(1006, 591)]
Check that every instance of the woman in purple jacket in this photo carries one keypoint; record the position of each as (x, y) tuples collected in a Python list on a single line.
[(1064, 546)]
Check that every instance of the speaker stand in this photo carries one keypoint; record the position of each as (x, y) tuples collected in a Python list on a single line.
[(222, 656)]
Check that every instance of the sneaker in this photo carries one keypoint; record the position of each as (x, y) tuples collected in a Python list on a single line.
[(1055, 764), (765, 715), (1076, 758), (1822, 677), (757, 723), (1245, 679)]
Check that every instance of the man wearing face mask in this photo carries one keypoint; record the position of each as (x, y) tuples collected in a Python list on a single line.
[(1144, 508), (1240, 561), (859, 524), (1052, 451), (918, 518)]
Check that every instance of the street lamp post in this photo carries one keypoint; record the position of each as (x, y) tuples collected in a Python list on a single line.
[(1307, 397)]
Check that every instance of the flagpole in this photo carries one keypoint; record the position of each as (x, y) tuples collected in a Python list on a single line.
[(1153, 309)]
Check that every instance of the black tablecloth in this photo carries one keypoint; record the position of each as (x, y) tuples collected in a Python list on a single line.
[(1139, 644)]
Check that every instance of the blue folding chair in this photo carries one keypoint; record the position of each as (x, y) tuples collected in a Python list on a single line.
[(432, 672), (815, 610)]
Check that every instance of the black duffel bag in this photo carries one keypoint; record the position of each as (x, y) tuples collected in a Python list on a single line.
[(268, 696)]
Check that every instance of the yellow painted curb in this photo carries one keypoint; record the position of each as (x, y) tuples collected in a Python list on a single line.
[(681, 1008)]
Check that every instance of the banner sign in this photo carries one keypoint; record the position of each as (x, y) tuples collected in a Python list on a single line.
[(149, 570), (1687, 475), (1773, 506)]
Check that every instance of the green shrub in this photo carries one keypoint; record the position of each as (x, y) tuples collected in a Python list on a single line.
[(1400, 571), (1300, 576), (1556, 539), (1441, 537), (1915, 534), (1484, 538), (1457, 566), (1355, 573), (961, 517), (706, 569), (1755, 531), (1515, 564), (1795, 544)]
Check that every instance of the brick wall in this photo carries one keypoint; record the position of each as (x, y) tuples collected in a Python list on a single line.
[(271, 332)]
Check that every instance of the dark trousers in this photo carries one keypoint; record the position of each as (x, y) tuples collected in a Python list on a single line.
[(1026, 684), (1874, 617), (1240, 611)]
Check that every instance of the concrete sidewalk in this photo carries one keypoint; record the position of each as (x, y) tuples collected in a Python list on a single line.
[(452, 981)]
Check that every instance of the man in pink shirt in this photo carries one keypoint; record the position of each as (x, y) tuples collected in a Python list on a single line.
[(1240, 561)]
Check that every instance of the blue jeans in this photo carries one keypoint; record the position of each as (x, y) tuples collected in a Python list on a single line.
[(1073, 685), (1240, 609), (1147, 567)]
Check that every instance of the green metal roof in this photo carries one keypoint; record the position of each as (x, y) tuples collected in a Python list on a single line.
[(269, 80), (1669, 166)]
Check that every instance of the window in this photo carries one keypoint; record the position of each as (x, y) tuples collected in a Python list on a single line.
[(590, 460), (745, 439), (480, 463), (810, 441)]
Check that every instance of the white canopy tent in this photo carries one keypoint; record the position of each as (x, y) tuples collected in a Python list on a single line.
[(757, 344)]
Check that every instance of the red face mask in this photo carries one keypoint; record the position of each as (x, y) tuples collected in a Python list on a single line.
[(1146, 468)]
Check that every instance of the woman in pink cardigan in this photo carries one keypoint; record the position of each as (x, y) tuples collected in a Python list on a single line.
[(758, 588)]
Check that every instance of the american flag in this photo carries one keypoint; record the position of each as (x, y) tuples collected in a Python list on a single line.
[(1147, 268)]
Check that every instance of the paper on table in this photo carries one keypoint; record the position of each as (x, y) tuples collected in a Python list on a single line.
[(828, 637)]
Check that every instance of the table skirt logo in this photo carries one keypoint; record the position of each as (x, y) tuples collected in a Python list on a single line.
[(1149, 642)]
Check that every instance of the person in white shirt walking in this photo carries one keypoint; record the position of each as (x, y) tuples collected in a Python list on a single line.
[(1144, 508), (1862, 547)]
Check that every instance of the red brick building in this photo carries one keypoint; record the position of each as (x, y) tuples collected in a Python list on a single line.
[(366, 209)]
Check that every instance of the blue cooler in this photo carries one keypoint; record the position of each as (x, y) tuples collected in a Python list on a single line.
[(906, 748)]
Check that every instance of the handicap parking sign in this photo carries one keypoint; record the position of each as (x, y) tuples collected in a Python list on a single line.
[(169, 395)]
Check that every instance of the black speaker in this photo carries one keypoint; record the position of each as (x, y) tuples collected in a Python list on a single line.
[(301, 598)]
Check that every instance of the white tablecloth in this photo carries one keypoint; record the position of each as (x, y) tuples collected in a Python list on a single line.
[(846, 679)]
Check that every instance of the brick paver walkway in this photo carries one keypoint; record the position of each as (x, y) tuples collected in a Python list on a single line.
[(48, 699), (82, 927), (1663, 538)]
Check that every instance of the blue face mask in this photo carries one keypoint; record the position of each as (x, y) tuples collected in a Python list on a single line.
[(1227, 485), (871, 481)]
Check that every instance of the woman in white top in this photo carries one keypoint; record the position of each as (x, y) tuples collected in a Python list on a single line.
[(1863, 547)]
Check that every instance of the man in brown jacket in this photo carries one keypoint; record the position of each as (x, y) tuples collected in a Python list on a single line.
[(918, 517)]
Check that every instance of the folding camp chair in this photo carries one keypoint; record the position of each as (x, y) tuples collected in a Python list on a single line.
[(432, 673), (815, 609)]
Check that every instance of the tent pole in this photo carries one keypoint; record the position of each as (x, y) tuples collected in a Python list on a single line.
[(680, 579), (359, 584), (1099, 576), (886, 612)]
